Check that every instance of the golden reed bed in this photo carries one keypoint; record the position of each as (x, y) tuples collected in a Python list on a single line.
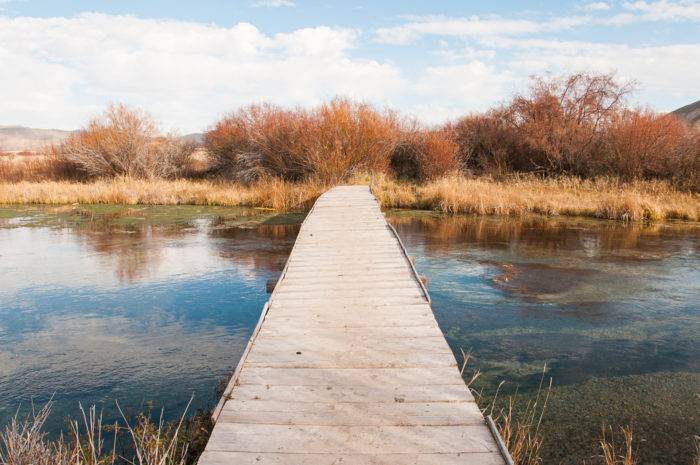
[(601, 198)]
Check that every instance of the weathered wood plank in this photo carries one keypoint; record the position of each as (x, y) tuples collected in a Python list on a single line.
[(303, 439), (380, 378), (327, 393), (351, 413), (254, 458), (349, 365)]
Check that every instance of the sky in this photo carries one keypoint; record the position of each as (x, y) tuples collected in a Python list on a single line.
[(190, 63)]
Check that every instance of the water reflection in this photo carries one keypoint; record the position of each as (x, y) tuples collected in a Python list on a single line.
[(611, 309), (534, 280), (143, 306)]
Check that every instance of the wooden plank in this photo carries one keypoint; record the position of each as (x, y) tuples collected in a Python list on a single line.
[(380, 378), (303, 439), (360, 335), (351, 413), (255, 458), (349, 365), (326, 393)]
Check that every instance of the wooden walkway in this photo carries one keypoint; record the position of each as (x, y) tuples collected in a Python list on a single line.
[(347, 364)]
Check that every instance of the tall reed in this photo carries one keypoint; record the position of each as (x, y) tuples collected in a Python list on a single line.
[(611, 454), (24, 442)]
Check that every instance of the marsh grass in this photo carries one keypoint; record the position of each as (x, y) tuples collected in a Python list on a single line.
[(611, 453), (520, 426), (146, 441), (605, 198), (273, 193)]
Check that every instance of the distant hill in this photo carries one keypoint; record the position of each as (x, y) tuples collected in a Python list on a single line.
[(23, 139), (690, 113), (20, 139), (196, 137)]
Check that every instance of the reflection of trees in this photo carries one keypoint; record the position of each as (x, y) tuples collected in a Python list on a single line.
[(442, 233), (137, 250), (576, 264), (263, 247)]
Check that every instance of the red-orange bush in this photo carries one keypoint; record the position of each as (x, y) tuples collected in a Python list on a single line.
[(555, 129), (348, 137), (425, 154), (640, 144), (488, 143), (44, 166), (579, 125), (329, 142), (260, 140)]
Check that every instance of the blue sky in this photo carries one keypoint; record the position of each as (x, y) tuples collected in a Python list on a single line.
[(188, 63)]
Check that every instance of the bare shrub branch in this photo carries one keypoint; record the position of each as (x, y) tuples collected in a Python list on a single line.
[(125, 142)]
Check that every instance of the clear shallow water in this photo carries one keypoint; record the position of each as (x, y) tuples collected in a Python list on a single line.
[(155, 304), (613, 310), (139, 305)]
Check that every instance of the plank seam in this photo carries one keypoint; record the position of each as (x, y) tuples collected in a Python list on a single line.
[(263, 314)]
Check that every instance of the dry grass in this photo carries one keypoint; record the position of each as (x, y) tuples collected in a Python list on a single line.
[(521, 432), (602, 198), (569, 196), (273, 193), (23, 441), (611, 454)]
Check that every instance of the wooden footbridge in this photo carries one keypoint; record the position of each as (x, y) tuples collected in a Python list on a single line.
[(347, 364)]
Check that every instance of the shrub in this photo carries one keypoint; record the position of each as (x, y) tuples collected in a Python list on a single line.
[(579, 125), (554, 129), (45, 166), (260, 140), (330, 142), (349, 137), (424, 155), (125, 142), (486, 143), (641, 144)]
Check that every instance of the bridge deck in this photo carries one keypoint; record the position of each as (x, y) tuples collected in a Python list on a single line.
[(348, 364)]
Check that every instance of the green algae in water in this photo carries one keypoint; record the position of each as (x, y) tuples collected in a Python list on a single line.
[(610, 308), (128, 216), (663, 410)]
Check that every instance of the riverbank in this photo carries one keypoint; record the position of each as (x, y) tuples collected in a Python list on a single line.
[(605, 198)]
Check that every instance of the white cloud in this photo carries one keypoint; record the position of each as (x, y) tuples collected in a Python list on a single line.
[(665, 10), (662, 72), (644, 12), (450, 91), (272, 3), (187, 74), (596, 6), (473, 26)]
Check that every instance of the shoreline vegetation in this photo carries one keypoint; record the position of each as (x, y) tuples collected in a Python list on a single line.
[(149, 440), (603, 198), (570, 146)]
